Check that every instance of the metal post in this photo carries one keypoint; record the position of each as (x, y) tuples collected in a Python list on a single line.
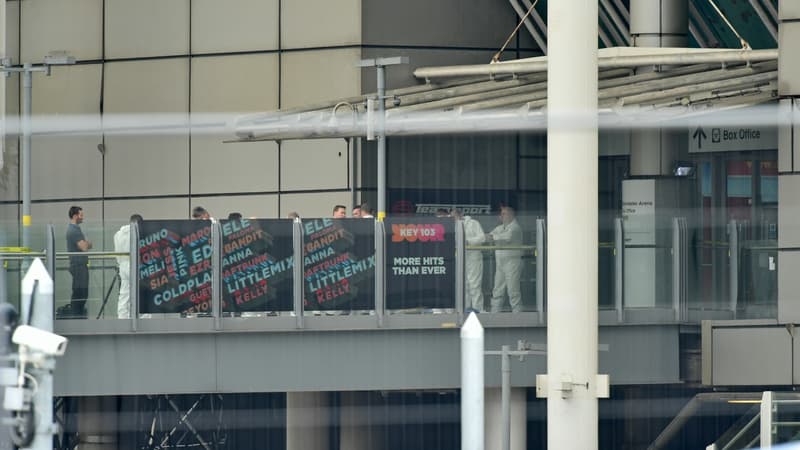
[(380, 271), (679, 270), (39, 307), (460, 270), (472, 426), (134, 275), (572, 242), (297, 271), (619, 269), (733, 265), (216, 274), (50, 252), (381, 142), (380, 65), (27, 84), (506, 396), (541, 268), (766, 420)]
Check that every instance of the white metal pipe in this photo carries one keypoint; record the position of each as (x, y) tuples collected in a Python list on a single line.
[(618, 21), (472, 426), (772, 11), (619, 40), (539, 23), (623, 10), (540, 64), (528, 24), (762, 14), (695, 15), (505, 394), (572, 157), (697, 36)]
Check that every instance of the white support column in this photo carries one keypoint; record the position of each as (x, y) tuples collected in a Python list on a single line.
[(97, 423), (788, 162), (357, 432), (307, 421), (657, 23), (572, 225), (494, 422)]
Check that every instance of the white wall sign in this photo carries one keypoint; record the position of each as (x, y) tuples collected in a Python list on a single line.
[(734, 138)]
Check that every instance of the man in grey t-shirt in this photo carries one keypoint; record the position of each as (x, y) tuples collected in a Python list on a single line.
[(78, 264)]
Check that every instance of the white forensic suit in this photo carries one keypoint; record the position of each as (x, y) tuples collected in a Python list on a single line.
[(473, 266), (509, 267), (122, 244)]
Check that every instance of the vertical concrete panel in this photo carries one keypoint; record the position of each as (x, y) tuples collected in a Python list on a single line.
[(314, 164), (315, 204), (261, 206), (320, 23), (788, 66), (53, 25), (146, 163), (67, 166), (146, 28), (307, 420), (234, 25), (788, 286), (222, 88), (310, 77)]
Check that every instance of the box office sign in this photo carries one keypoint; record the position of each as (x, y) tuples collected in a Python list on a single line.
[(257, 262), (175, 266), (420, 263)]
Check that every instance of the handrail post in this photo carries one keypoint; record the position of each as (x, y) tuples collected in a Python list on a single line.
[(297, 272), (50, 253), (380, 271), (541, 267), (216, 274), (460, 270), (679, 261), (134, 275), (619, 268), (733, 265)]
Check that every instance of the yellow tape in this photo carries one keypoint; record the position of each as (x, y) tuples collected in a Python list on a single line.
[(15, 250), (26, 221), (381, 216)]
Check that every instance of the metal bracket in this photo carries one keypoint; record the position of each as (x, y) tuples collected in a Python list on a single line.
[(567, 386)]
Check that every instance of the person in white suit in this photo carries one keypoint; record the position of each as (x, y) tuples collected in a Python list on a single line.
[(122, 244), (473, 264), (508, 262)]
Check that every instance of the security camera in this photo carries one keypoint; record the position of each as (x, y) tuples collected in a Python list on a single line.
[(40, 340)]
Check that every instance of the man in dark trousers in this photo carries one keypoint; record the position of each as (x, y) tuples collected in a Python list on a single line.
[(78, 264)]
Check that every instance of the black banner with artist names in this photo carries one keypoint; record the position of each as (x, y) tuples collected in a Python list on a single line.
[(175, 267), (339, 264), (257, 264)]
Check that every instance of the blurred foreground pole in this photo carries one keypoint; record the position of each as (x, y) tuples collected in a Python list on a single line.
[(37, 306), (472, 384), (571, 382)]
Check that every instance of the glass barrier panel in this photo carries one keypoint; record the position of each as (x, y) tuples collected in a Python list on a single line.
[(785, 417), (10, 264), (86, 286), (257, 261), (175, 267), (758, 280), (339, 265), (421, 263)]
